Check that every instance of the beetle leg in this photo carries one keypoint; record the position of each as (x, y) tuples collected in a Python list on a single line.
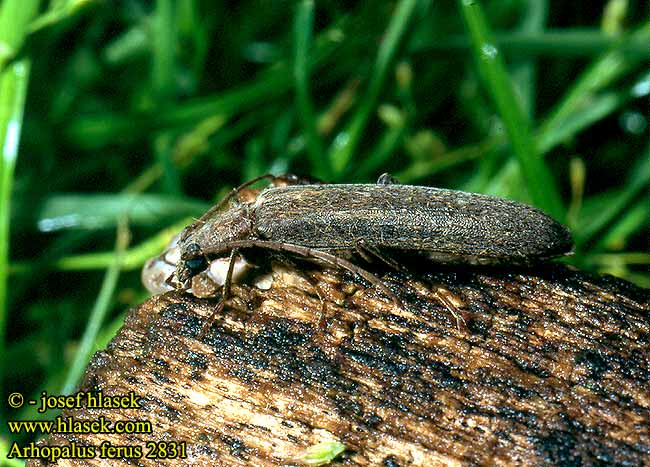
[(370, 252), (228, 282), (306, 252), (225, 294), (452, 309)]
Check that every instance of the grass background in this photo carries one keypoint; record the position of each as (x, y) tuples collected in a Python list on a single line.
[(119, 121)]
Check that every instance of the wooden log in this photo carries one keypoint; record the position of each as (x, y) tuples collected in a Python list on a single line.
[(549, 366)]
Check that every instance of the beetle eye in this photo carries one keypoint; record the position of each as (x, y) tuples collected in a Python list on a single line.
[(196, 265)]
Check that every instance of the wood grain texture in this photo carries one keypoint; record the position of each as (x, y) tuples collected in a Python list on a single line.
[(552, 367)]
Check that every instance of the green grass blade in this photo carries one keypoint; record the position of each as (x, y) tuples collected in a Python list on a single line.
[(425, 168), (525, 68), (162, 147), (540, 183), (635, 257), (165, 44), (347, 140), (633, 219), (133, 258), (638, 183), (603, 72), (13, 90), (600, 107), (101, 211), (563, 43), (99, 311), (614, 16), (58, 14), (302, 32), (15, 16)]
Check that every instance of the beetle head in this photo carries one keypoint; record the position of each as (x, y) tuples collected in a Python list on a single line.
[(193, 261)]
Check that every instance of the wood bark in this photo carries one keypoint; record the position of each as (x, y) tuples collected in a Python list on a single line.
[(475, 367)]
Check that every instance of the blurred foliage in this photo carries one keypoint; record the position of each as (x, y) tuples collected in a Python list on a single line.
[(142, 113)]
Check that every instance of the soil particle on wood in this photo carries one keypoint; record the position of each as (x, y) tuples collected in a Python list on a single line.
[(544, 366)]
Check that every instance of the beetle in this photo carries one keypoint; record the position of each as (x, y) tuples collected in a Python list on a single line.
[(336, 223)]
